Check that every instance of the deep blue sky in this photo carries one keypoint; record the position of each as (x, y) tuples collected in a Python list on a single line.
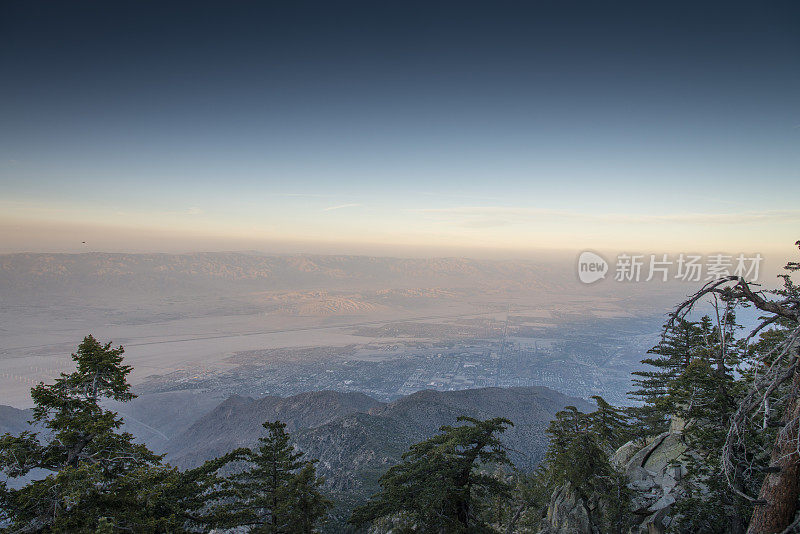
[(513, 125)]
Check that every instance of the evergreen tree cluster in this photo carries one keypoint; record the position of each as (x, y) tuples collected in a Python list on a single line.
[(578, 461), (97, 479), (703, 370)]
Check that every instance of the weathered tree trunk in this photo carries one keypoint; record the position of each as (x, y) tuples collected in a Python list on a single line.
[(781, 489), (513, 522)]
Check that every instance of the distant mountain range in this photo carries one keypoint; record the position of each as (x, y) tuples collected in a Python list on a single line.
[(356, 438), (237, 421), (14, 421), (154, 418), (27, 272)]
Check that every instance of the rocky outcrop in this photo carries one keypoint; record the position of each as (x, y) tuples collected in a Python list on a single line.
[(655, 473), (568, 514)]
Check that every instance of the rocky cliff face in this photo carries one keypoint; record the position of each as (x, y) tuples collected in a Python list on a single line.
[(655, 473), (567, 514)]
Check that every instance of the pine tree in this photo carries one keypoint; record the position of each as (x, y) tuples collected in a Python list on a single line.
[(271, 489), (577, 460), (673, 354), (584, 468), (306, 503), (704, 396), (567, 424), (709, 400), (92, 466), (609, 424), (442, 484)]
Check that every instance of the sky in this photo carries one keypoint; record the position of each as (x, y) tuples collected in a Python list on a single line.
[(400, 127)]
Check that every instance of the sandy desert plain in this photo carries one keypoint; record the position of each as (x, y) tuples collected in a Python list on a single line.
[(201, 330)]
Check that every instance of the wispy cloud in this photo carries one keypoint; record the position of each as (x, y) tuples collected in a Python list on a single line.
[(304, 195), (341, 206), (496, 215), (191, 211)]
